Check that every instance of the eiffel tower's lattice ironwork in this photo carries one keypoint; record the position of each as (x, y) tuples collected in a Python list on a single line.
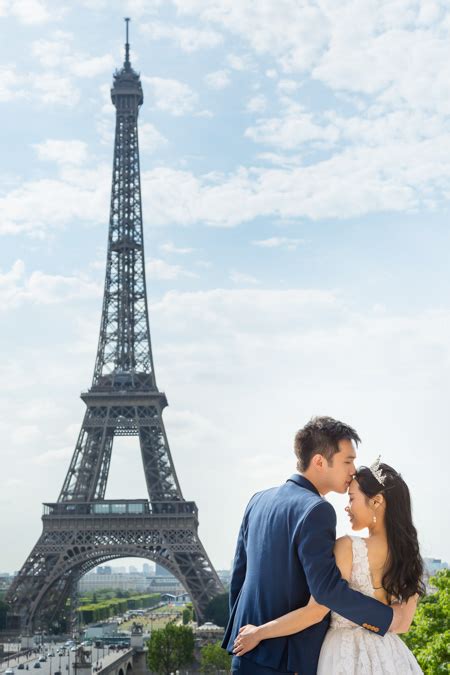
[(82, 529)]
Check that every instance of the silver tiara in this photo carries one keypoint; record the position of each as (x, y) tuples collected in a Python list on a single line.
[(377, 473)]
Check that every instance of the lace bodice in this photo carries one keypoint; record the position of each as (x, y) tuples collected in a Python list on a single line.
[(360, 580)]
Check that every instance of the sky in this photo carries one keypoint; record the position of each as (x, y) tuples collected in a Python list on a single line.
[(295, 159)]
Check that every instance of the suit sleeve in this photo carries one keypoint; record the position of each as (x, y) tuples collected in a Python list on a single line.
[(240, 560), (239, 568), (317, 538)]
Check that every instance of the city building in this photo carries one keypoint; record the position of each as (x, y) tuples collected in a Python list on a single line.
[(5, 580), (104, 570), (225, 577), (161, 571), (165, 584), (433, 565), (127, 581)]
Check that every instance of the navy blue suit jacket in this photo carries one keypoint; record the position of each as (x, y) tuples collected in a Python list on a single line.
[(284, 554)]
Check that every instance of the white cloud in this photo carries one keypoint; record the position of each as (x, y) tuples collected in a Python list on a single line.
[(51, 88), (256, 104), (93, 66), (40, 288), (399, 54), (62, 152), (160, 270), (150, 139), (190, 429), (51, 456), (172, 96), (38, 206), (11, 83), (50, 53), (218, 79), (279, 242), (288, 86), (240, 62), (25, 434), (242, 278), (271, 73), (355, 182), (62, 64), (408, 63), (169, 247), (188, 39), (294, 34), (292, 130), (30, 11), (57, 53)]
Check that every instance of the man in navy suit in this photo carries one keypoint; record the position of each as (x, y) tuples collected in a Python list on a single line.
[(285, 553)]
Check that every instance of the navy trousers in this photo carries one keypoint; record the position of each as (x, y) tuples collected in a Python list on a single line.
[(242, 666)]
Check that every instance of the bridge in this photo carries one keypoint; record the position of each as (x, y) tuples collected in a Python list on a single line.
[(125, 662)]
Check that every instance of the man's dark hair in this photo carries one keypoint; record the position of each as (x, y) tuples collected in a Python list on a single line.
[(321, 437)]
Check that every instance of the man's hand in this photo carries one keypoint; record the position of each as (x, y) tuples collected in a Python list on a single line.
[(247, 639)]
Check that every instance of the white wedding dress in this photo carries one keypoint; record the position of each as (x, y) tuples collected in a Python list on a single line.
[(349, 649)]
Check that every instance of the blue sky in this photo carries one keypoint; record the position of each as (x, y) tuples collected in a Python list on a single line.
[(295, 163)]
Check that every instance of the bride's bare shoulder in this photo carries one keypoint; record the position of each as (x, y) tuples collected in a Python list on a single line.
[(343, 544), (344, 555)]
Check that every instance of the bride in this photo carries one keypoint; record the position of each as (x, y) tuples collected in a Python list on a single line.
[(387, 566)]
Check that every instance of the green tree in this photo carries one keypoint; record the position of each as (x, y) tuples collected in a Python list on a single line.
[(170, 649), (214, 658), (217, 610), (4, 607), (187, 615), (429, 635)]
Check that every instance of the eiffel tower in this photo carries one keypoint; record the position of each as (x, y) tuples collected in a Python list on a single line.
[(83, 529)]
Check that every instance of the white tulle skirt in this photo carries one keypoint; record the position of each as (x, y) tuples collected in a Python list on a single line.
[(356, 651)]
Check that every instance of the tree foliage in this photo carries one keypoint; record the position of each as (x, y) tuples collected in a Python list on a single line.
[(217, 610), (214, 658), (170, 649), (98, 611), (429, 635), (4, 607), (187, 615)]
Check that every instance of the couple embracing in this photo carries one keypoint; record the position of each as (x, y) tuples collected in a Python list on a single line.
[(289, 570)]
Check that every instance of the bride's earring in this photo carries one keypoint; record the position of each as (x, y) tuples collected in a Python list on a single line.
[(374, 519)]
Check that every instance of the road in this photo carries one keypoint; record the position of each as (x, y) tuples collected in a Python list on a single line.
[(63, 664)]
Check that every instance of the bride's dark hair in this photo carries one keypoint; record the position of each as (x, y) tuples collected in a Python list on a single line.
[(403, 573)]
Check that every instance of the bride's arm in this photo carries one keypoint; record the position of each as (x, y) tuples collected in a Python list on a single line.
[(403, 615), (299, 619)]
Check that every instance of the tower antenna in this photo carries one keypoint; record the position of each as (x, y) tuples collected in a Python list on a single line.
[(127, 44)]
